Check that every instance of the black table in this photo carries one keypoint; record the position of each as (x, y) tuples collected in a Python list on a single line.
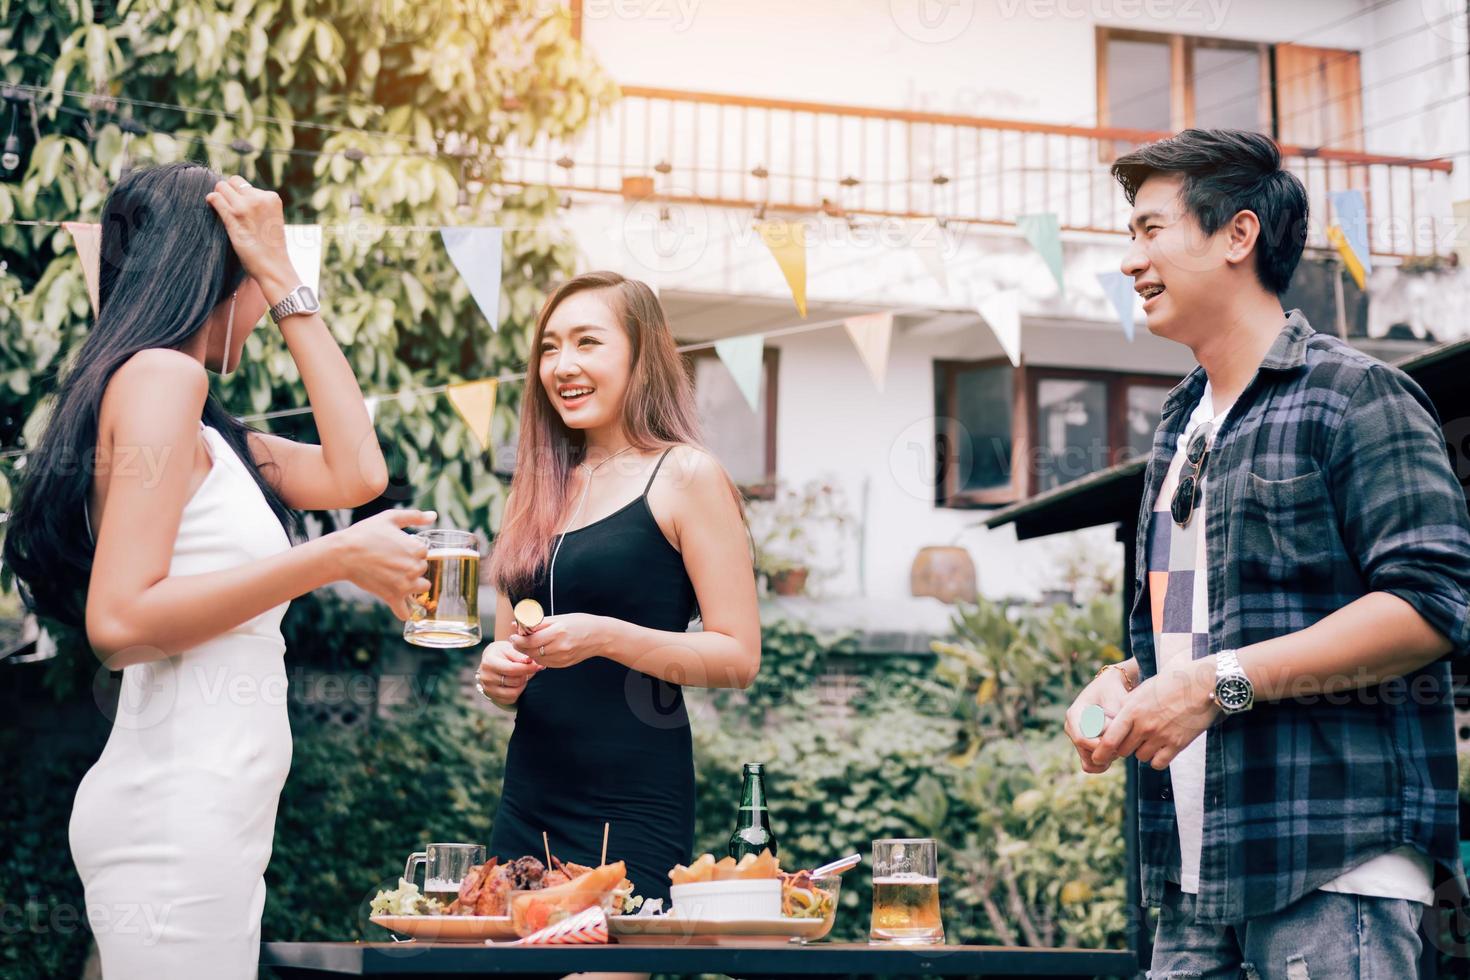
[(313, 961)]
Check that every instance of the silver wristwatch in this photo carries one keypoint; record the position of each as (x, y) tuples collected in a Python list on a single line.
[(299, 300), (1233, 690)]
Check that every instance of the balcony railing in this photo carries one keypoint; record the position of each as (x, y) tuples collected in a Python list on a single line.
[(789, 156)]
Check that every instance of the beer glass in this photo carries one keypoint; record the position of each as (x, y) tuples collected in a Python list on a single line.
[(448, 615), (906, 892), (445, 867)]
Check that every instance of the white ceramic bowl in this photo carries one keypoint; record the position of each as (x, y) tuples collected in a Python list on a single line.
[(727, 901)]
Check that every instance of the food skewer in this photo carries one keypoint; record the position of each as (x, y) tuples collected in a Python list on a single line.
[(546, 844), (605, 826)]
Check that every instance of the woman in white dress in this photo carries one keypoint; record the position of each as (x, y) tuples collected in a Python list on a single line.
[(159, 522)]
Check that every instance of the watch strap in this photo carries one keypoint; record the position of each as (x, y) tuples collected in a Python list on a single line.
[(299, 300)]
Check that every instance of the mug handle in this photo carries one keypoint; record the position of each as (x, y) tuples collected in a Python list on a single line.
[(414, 859)]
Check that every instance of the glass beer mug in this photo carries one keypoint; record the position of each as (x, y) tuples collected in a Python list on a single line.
[(445, 867), (448, 614), (906, 892)]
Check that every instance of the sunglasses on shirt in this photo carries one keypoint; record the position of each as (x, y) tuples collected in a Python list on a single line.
[(1187, 492)]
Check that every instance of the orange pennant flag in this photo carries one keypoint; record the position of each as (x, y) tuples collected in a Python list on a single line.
[(475, 403), (787, 242), (1350, 258)]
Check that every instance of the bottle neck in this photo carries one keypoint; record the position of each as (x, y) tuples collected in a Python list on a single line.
[(753, 801)]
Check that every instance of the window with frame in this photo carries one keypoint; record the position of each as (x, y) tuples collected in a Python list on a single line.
[(1169, 82), (1006, 433), (743, 440), (1300, 95)]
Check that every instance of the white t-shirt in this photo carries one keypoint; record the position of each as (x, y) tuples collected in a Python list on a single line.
[(1178, 582)]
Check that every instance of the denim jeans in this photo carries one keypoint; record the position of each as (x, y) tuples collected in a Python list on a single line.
[(1324, 936)]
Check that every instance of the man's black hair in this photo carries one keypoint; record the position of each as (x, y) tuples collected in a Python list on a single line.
[(1224, 172)]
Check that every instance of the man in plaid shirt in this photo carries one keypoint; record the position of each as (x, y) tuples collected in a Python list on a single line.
[(1303, 569)]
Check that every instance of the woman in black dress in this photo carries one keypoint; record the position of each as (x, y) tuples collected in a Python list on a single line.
[(624, 529)]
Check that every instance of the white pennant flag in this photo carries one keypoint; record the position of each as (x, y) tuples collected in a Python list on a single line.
[(931, 254), (304, 248), (476, 253), (1119, 290), (1002, 313), (88, 240), (872, 335), (743, 359)]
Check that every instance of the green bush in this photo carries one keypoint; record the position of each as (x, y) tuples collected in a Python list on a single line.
[(1031, 848), (42, 934), (421, 78), (358, 801)]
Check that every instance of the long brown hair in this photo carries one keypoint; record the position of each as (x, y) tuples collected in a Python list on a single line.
[(658, 412)]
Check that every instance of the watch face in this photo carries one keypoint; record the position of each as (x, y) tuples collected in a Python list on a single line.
[(307, 298), (1234, 693)]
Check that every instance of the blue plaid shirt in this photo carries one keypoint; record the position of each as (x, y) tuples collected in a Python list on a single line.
[(1328, 480)]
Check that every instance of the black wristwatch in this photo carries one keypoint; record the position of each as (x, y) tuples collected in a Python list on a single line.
[(299, 300)]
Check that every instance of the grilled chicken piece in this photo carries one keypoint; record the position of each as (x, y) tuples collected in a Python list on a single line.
[(470, 888), (522, 874)]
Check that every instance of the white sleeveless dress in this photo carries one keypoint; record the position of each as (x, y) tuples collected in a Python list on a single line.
[(171, 829)]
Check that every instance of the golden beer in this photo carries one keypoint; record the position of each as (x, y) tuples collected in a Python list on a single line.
[(448, 614), (906, 909), (906, 892)]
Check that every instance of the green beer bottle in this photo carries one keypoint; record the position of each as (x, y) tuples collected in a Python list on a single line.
[(752, 823)]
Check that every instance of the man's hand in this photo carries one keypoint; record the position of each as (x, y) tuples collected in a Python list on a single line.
[(1108, 691), (1161, 716)]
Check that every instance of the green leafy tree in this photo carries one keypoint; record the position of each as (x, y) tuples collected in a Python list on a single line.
[(433, 93)]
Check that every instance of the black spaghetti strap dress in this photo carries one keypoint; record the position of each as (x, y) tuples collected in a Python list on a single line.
[(598, 741)]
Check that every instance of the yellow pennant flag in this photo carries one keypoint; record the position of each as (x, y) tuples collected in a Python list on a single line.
[(871, 334), (1349, 257), (787, 242), (87, 237), (475, 403)]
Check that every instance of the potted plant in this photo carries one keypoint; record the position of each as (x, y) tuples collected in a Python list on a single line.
[(789, 532)]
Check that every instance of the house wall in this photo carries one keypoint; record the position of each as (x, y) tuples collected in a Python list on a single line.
[(1032, 60), (1019, 59)]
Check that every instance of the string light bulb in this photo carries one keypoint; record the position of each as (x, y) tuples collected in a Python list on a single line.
[(463, 203), (354, 199), (10, 155), (10, 159)]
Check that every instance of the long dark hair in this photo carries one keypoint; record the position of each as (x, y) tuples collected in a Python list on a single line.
[(166, 264), (658, 412)]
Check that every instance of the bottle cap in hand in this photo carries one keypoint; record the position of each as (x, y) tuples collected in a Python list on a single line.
[(1094, 720)]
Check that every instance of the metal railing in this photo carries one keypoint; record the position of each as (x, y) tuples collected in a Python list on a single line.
[(791, 156)]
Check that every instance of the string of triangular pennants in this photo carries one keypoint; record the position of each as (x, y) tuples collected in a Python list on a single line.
[(476, 253), (474, 250)]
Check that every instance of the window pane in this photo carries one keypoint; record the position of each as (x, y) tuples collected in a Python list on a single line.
[(735, 434), (1071, 430), (983, 407), (1227, 88), (1138, 84), (1145, 405)]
